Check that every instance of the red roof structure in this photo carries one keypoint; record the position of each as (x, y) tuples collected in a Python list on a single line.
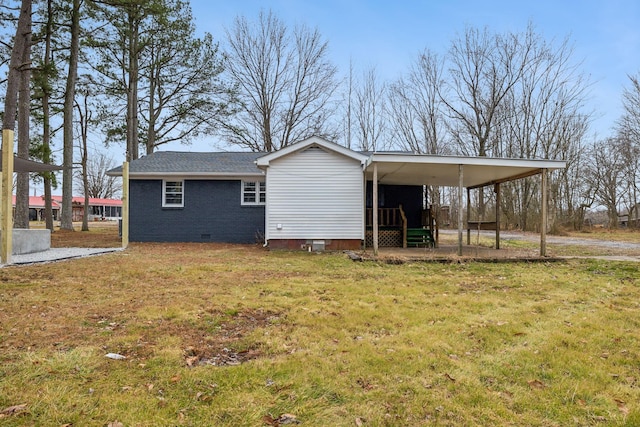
[(98, 208)]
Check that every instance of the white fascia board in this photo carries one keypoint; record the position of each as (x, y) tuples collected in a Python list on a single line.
[(462, 160)]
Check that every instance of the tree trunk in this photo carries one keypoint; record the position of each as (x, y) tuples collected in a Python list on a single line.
[(23, 35), (66, 219), (46, 122), (132, 93), (21, 216)]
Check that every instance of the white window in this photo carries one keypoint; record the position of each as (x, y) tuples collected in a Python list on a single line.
[(173, 194), (254, 193)]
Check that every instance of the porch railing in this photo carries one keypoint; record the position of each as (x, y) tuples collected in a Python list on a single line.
[(390, 218)]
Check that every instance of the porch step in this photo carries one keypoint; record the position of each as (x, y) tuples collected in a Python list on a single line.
[(420, 237)]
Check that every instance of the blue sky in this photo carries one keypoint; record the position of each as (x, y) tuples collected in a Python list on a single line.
[(389, 34)]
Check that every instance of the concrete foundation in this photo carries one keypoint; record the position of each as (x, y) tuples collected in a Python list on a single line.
[(26, 241)]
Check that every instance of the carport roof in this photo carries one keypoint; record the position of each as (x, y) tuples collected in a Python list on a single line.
[(24, 165), (418, 169)]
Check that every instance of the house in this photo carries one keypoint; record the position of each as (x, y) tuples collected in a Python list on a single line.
[(310, 195), (100, 209), (36, 208), (196, 197)]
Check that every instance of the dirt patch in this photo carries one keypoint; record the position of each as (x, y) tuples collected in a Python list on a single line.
[(227, 346)]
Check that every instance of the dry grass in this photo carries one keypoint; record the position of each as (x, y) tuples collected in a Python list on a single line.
[(237, 335), (617, 235), (101, 234)]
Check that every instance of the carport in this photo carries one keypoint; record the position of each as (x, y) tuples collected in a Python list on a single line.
[(461, 172), (8, 165)]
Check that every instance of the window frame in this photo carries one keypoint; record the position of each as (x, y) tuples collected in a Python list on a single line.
[(259, 193), (164, 193)]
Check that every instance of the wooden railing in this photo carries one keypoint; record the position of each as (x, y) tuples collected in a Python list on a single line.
[(387, 217), (390, 218)]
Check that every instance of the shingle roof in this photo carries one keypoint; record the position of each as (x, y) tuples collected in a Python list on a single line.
[(178, 162)]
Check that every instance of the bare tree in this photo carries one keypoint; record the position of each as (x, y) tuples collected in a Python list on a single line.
[(628, 128), (629, 123), (605, 174), (484, 68), (83, 122), (98, 184), (285, 83), (370, 112), (543, 117), (416, 112)]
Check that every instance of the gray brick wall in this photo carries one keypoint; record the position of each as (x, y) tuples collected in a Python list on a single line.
[(212, 212)]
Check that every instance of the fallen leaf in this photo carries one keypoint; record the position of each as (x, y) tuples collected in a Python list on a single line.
[(359, 422), (622, 406), (286, 419), (269, 420), (536, 384), (14, 410)]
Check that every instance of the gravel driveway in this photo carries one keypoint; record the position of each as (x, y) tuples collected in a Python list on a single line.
[(58, 254), (569, 241)]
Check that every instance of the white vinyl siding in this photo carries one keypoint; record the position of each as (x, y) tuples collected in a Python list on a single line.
[(314, 194)]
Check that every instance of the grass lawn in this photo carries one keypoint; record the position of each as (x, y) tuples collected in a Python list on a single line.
[(240, 336)]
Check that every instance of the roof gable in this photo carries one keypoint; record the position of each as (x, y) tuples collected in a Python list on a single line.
[(313, 142)]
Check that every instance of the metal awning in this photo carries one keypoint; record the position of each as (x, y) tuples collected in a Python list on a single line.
[(415, 169), (456, 171), (23, 165)]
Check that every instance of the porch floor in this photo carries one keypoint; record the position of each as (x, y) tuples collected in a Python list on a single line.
[(449, 253)]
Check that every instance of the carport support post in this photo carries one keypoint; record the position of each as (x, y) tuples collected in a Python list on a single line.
[(125, 205), (543, 225), (460, 213), (496, 188), (375, 209), (6, 196), (468, 216)]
